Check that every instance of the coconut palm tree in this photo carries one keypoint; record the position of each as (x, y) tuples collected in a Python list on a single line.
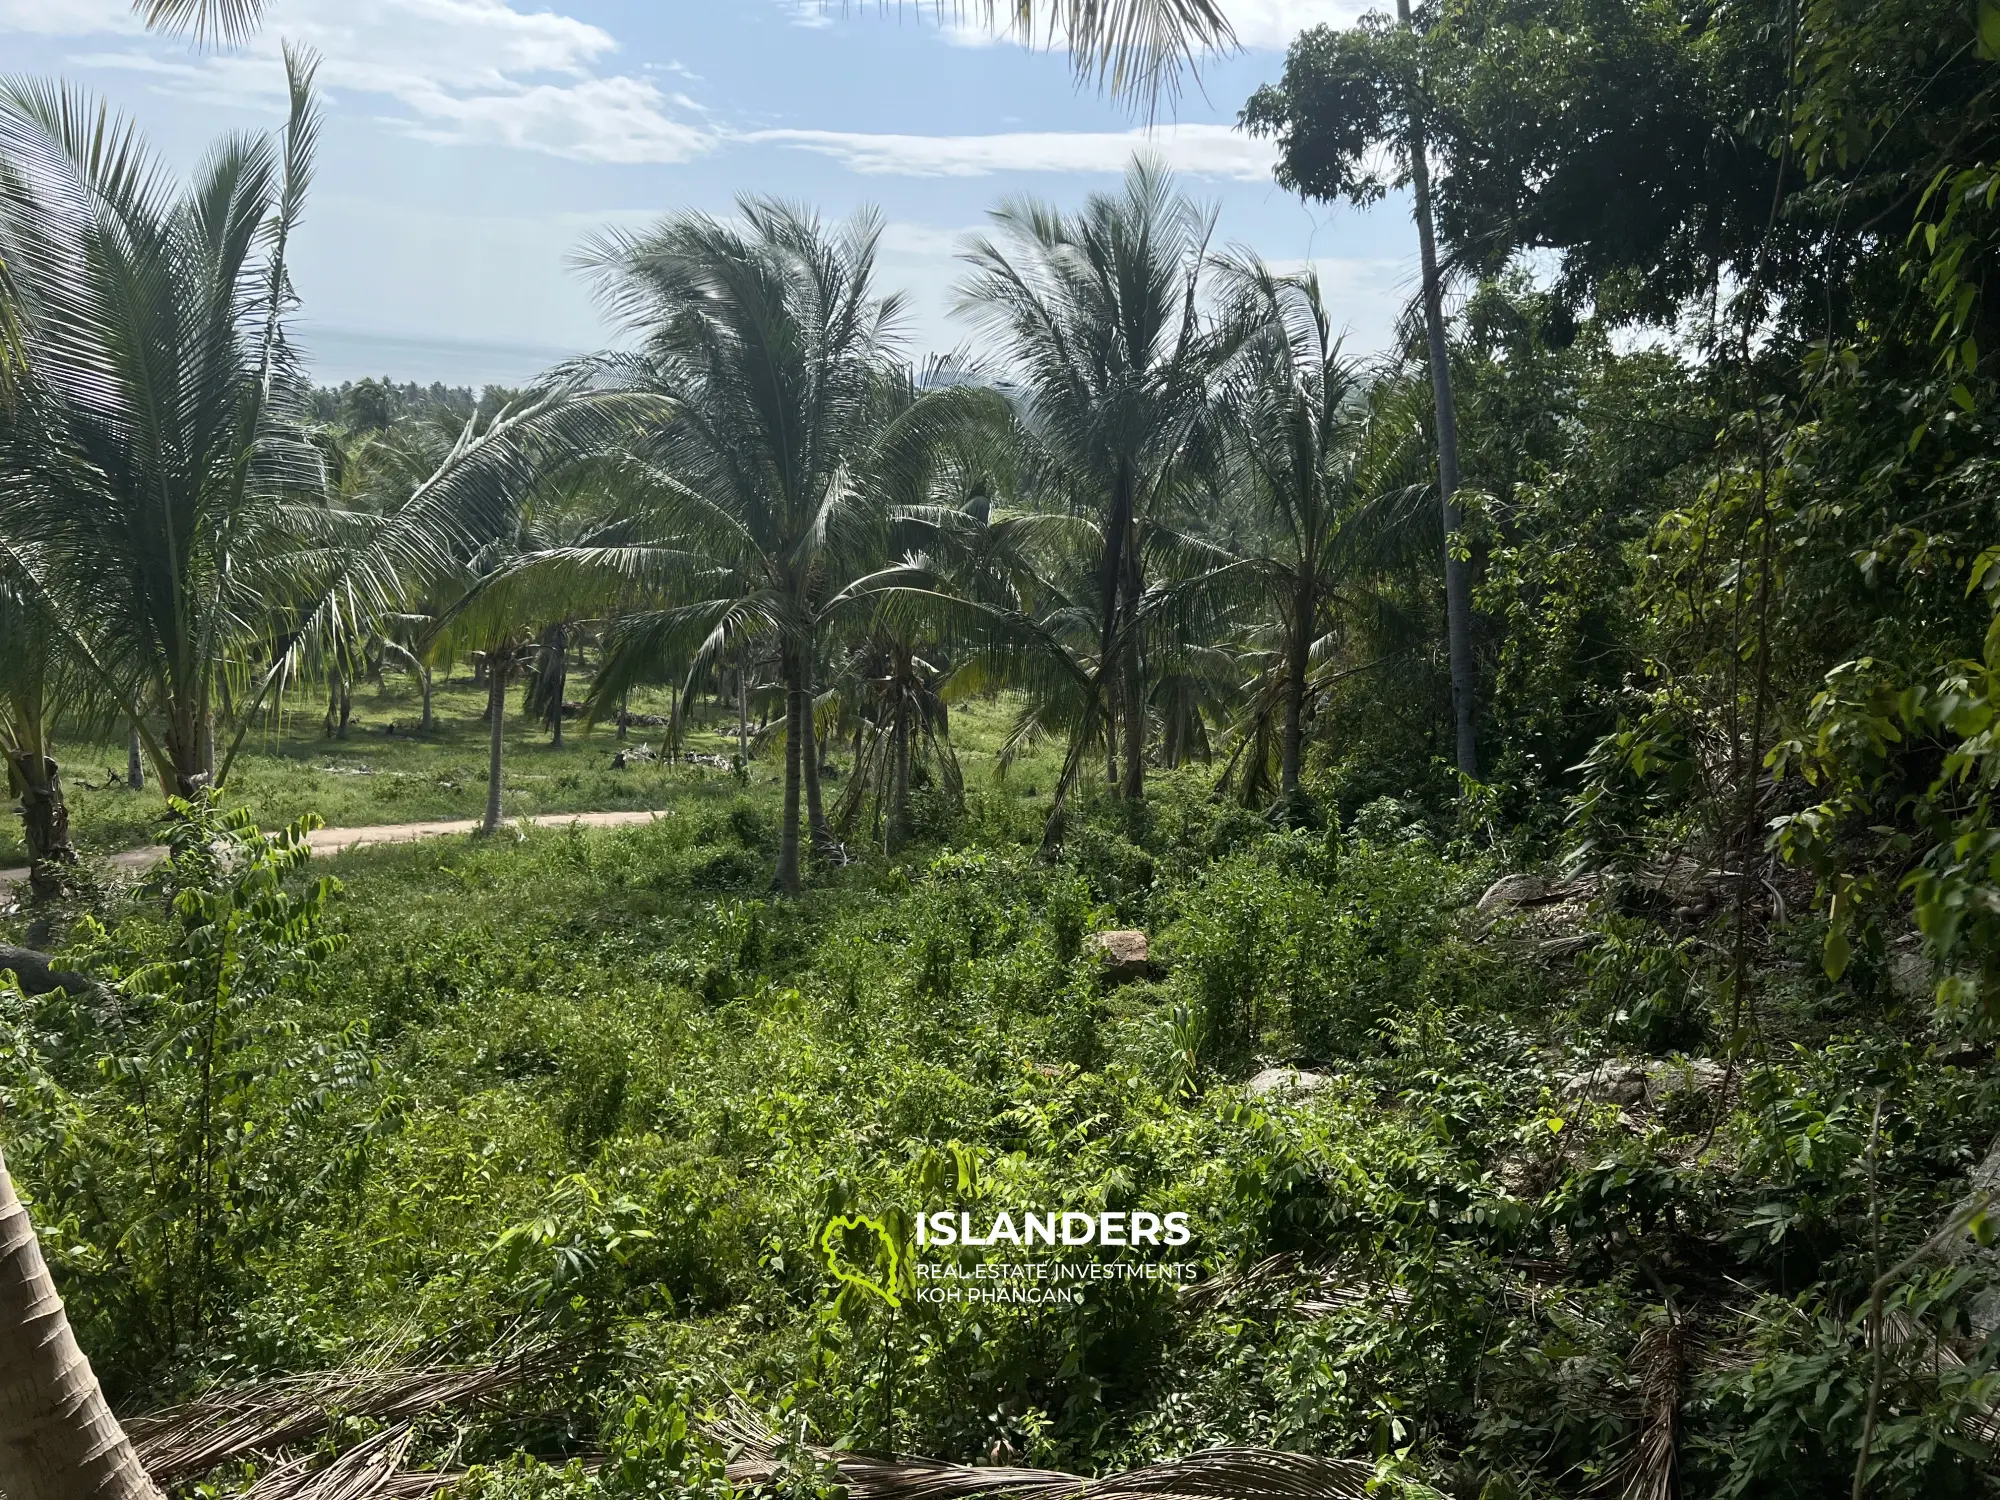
[(1099, 318), (59, 1439), (1295, 429), (163, 523), (770, 350), (36, 681)]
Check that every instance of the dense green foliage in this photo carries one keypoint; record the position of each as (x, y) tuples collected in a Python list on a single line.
[(598, 1084), (1645, 1139)]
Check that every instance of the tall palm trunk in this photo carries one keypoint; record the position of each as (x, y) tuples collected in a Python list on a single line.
[(1136, 736), (1457, 570), (787, 877), (553, 668), (899, 777), (429, 721), (186, 768), (58, 1437), (1111, 587), (743, 715), (36, 782), (822, 831), (135, 761), (1297, 660), (496, 715)]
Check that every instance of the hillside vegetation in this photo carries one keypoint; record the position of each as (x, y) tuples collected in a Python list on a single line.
[(1498, 842)]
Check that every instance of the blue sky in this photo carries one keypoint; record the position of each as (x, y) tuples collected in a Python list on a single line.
[(472, 144)]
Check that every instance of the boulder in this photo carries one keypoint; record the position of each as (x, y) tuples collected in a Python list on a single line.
[(1124, 953), (1277, 1082), (1624, 1081)]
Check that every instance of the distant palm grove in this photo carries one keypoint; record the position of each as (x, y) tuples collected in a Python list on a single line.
[(1502, 833)]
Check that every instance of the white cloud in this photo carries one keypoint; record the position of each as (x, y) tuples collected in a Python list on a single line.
[(615, 120), (464, 71), (899, 238), (1202, 150), (66, 17)]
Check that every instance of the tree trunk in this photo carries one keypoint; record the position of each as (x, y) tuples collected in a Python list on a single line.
[(36, 781), (899, 779), (424, 683), (822, 831), (184, 734), (787, 877), (135, 761), (496, 713), (1297, 659), (1136, 736), (555, 663), (1457, 570), (1111, 583), (625, 714), (743, 717), (58, 1437)]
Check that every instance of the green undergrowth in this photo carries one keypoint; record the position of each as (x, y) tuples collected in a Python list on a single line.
[(601, 1088)]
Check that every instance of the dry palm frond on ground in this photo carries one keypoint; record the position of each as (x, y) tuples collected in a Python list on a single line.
[(186, 1441), (1236, 1473)]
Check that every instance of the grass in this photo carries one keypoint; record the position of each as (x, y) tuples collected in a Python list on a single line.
[(374, 777)]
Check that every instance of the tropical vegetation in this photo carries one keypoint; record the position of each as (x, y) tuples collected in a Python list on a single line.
[(1551, 767)]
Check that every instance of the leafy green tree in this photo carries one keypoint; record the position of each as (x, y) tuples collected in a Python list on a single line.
[(1351, 94)]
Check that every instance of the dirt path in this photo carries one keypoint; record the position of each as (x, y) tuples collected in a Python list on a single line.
[(340, 840)]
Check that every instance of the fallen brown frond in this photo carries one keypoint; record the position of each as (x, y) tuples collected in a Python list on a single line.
[(1661, 1358), (1317, 1291), (1213, 1474), (184, 1442)]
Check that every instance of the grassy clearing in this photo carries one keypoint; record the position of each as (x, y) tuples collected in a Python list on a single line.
[(373, 777)]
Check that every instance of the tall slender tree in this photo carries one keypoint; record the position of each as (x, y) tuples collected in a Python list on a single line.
[(1098, 313), (768, 347), (1293, 424), (1346, 95), (163, 529), (1457, 566)]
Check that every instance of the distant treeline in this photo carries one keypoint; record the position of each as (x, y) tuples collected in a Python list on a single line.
[(370, 405)]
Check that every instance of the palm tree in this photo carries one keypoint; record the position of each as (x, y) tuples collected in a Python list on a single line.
[(36, 680), (1099, 315), (770, 349), (1294, 430), (59, 1439), (163, 524)]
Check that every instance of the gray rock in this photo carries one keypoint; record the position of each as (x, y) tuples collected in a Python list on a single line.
[(1125, 952), (1273, 1082), (1626, 1081)]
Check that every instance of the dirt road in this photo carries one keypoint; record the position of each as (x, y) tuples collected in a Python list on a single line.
[(339, 840)]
